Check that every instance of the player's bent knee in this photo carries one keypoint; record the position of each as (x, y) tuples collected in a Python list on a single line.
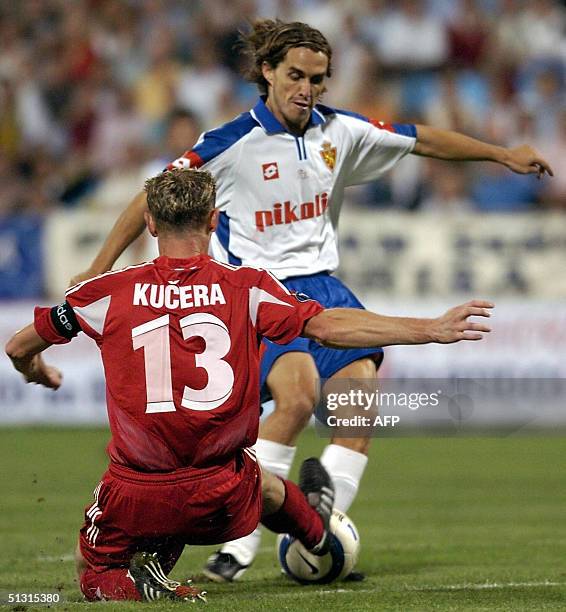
[(293, 382), (273, 493), (297, 408)]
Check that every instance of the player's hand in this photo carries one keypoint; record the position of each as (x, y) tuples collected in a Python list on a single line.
[(525, 160), (42, 374), (455, 325), (82, 276)]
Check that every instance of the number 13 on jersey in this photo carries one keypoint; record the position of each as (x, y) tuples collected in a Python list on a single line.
[(153, 337)]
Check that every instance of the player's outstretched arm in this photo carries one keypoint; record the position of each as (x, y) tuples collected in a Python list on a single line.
[(127, 228), (24, 349), (445, 144), (354, 328)]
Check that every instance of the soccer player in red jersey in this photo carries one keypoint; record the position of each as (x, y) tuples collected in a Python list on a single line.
[(179, 338), (281, 170)]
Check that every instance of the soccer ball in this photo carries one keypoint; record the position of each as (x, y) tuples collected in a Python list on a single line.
[(306, 568)]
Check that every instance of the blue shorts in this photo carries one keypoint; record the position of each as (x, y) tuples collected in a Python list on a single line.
[(331, 293)]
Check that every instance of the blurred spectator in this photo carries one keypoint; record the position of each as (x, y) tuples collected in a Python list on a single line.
[(81, 117), (119, 129), (554, 191), (407, 183), (36, 123), (9, 127), (508, 40), (154, 90), (544, 23), (180, 133), (204, 85), (121, 181), (468, 35), (496, 189), (93, 85), (77, 57), (372, 94), (412, 45), (447, 189), (411, 38), (116, 40), (545, 98), (455, 105), (501, 121), (355, 65), (326, 15), (371, 23)]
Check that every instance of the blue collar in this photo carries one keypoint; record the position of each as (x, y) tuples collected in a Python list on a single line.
[(271, 124)]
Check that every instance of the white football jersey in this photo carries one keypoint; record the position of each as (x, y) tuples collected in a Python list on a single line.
[(280, 195)]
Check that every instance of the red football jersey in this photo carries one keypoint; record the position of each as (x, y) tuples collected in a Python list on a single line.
[(180, 340)]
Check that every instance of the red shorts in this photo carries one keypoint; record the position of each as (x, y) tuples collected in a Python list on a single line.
[(161, 513)]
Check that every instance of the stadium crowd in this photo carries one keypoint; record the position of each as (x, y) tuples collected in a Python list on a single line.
[(96, 95)]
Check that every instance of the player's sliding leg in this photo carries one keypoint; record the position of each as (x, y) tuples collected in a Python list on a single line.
[(113, 584), (152, 583), (303, 512), (293, 383), (144, 580), (235, 557), (346, 458)]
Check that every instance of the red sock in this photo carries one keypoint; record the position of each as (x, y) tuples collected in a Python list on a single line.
[(111, 584), (296, 517)]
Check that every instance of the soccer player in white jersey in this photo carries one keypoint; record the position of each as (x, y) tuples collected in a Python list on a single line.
[(281, 171)]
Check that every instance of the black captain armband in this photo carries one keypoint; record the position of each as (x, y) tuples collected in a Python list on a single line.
[(65, 321)]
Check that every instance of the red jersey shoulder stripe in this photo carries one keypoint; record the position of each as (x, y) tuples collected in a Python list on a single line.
[(189, 159), (404, 129), (109, 273)]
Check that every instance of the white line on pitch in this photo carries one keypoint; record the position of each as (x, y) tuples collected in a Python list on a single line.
[(54, 558), (446, 587), (485, 585)]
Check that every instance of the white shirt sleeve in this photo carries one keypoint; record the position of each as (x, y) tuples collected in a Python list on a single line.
[(375, 148)]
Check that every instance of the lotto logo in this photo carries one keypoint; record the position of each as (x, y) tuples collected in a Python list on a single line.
[(270, 171)]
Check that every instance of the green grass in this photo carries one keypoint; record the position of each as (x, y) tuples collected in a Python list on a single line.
[(446, 524)]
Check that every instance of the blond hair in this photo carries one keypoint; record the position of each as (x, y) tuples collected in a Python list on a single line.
[(181, 199)]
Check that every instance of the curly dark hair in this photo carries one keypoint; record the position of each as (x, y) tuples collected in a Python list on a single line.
[(270, 40)]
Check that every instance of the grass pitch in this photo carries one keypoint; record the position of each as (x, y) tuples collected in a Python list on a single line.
[(446, 524)]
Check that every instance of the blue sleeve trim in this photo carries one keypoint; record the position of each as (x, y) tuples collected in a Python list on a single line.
[(328, 110), (405, 129), (220, 139), (223, 234)]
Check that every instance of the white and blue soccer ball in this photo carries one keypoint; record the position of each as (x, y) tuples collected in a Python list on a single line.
[(304, 567)]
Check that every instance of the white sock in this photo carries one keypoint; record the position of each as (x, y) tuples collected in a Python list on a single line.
[(346, 468), (274, 457), (277, 458)]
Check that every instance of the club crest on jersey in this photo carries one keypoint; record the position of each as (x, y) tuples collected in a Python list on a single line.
[(270, 171), (328, 154)]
